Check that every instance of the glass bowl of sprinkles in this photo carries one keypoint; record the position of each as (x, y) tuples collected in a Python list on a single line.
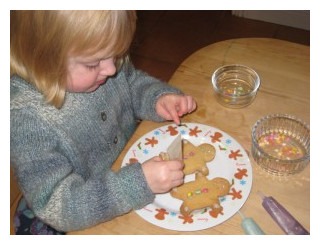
[(281, 144), (235, 85)]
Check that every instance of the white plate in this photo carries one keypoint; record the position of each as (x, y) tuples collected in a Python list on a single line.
[(231, 162)]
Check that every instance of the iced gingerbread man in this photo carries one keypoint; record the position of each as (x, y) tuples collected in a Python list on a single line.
[(201, 193)]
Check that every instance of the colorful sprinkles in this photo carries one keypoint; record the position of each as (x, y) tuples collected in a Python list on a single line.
[(281, 146), (197, 192), (235, 88)]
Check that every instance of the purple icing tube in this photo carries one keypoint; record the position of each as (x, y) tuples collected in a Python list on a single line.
[(283, 218)]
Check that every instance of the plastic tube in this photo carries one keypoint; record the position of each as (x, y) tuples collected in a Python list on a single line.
[(249, 226), (282, 217)]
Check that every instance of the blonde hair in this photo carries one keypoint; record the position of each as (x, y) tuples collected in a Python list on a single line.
[(41, 41)]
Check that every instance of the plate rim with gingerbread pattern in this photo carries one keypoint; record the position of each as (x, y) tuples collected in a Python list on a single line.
[(231, 162)]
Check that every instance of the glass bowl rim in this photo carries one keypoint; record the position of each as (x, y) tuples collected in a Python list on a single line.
[(242, 67)]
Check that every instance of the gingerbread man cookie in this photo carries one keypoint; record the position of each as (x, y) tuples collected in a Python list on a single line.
[(201, 193), (195, 158)]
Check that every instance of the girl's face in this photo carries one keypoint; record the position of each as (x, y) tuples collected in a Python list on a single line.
[(87, 73)]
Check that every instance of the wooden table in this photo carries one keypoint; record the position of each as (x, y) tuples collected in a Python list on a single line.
[(284, 69)]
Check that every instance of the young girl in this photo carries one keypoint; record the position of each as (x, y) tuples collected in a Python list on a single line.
[(75, 102)]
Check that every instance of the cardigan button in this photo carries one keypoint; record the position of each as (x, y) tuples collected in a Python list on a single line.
[(103, 116), (115, 141)]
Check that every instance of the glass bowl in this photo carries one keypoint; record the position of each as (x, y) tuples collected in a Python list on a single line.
[(235, 85), (281, 144)]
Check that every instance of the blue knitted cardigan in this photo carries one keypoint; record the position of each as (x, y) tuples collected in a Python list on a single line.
[(62, 157)]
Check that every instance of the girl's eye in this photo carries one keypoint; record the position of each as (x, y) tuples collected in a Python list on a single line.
[(92, 67)]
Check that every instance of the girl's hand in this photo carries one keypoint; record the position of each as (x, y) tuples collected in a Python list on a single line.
[(174, 106), (161, 175)]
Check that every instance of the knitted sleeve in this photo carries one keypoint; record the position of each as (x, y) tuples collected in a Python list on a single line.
[(145, 91), (61, 189)]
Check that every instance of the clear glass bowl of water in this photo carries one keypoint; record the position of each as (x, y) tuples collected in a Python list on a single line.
[(235, 85), (281, 144)]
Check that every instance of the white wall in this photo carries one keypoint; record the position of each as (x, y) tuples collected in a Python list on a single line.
[(294, 18)]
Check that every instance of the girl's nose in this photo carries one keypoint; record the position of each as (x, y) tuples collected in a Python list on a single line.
[(107, 67)]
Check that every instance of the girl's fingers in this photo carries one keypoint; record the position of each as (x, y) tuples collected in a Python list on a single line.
[(172, 107), (191, 105), (175, 165), (173, 113), (176, 183)]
